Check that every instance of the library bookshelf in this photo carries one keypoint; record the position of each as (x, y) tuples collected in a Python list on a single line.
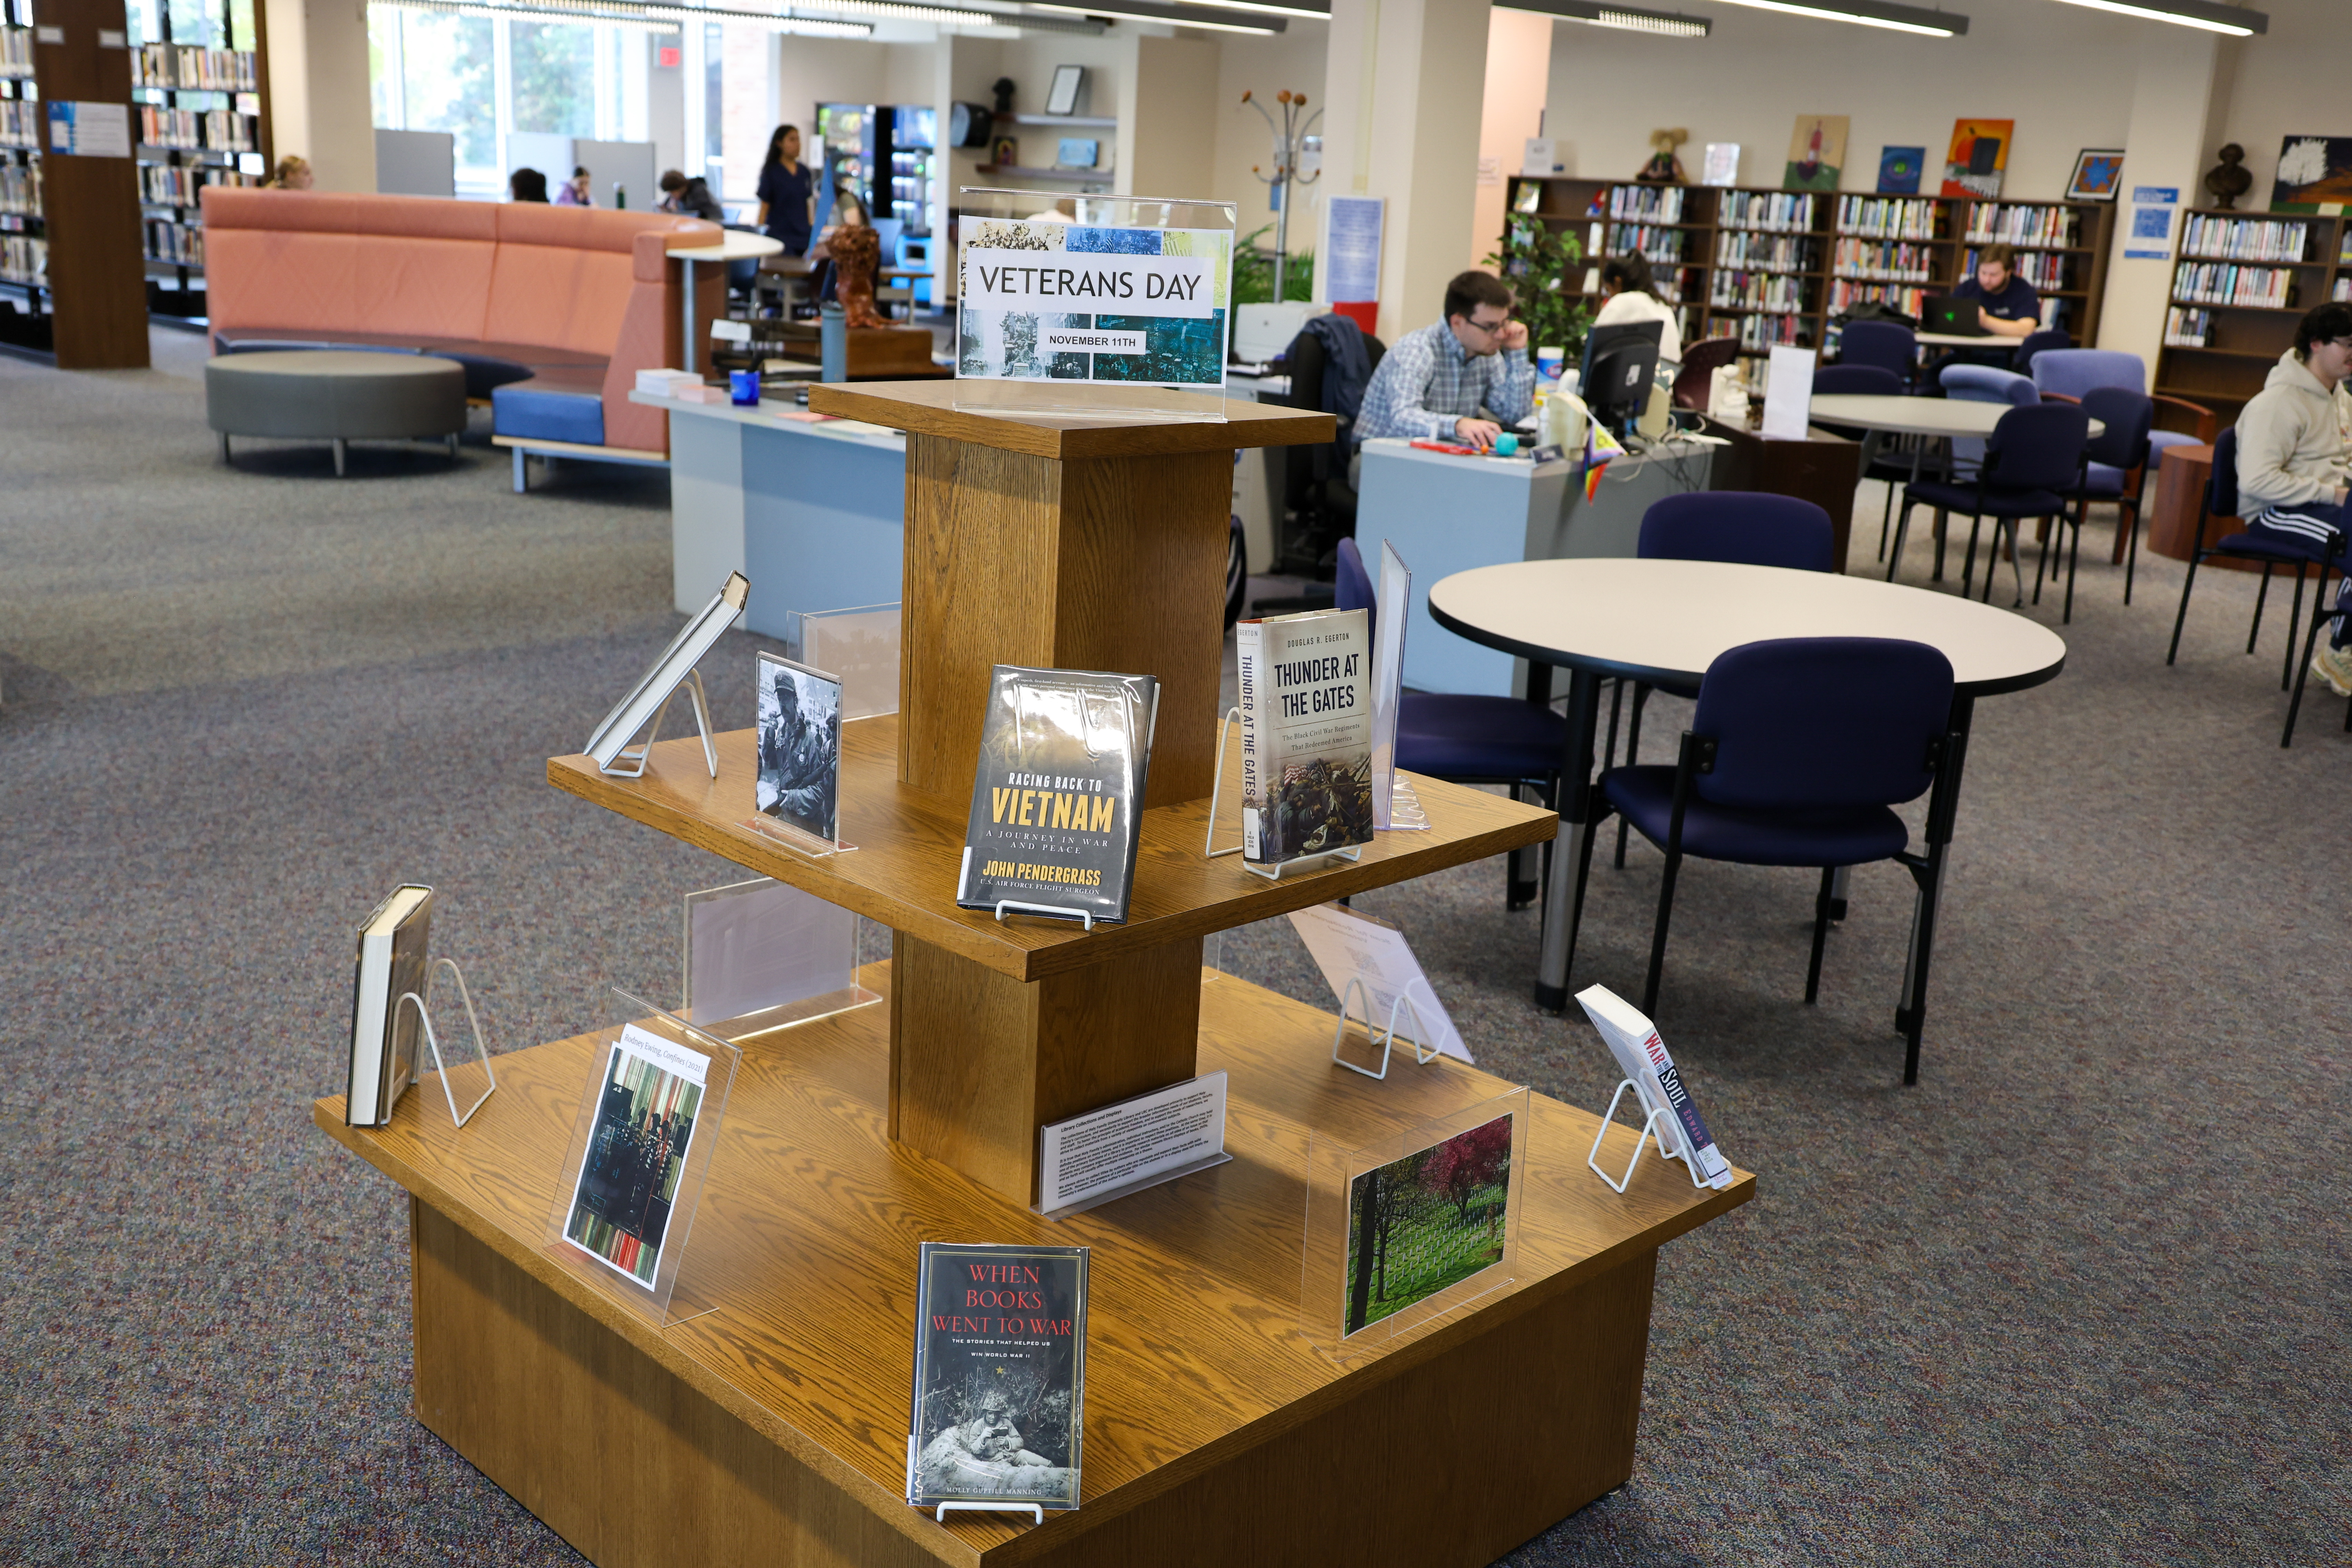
[(765, 1422), (2239, 281), (1776, 267), (200, 87), (24, 324)]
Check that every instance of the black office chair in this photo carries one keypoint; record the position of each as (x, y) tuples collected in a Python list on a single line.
[(1314, 478)]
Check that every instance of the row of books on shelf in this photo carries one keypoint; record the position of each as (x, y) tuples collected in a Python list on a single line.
[(181, 185), (1658, 203), (1886, 217), (20, 189), (1894, 261), (187, 66), (2244, 239), (1656, 244), (2188, 328), (1845, 293), (2043, 270), (182, 243), (221, 129), (2043, 226), (1773, 292), (1782, 210), (1769, 331), (2224, 283), (1764, 251), (20, 124), (16, 51), (24, 259)]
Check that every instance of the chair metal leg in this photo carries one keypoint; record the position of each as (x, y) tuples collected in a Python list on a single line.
[(2261, 595), (521, 474), (224, 435), (2295, 619), (2016, 560), (2073, 559), (2195, 557), (1968, 562), (1943, 530), (1902, 532), (339, 456), (2131, 549), (2310, 641), (452, 445), (1886, 516), (1616, 700), (1658, 936), (2040, 561), (1822, 901)]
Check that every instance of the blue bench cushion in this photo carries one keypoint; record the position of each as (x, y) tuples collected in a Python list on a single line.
[(554, 404), (1845, 836), (487, 366)]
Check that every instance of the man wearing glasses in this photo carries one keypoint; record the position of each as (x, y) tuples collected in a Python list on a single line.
[(2294, 459), (1454, 379)]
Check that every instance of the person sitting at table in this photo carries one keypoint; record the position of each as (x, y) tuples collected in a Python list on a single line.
[(1456, 378), (691, 196), (1629, 294), (2006, 303), (2294, 457), (526, 185)]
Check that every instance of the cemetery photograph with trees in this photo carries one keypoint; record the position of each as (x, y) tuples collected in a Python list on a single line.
[(1426, 1221)]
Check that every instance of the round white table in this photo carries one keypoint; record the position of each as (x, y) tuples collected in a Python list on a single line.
[(1949, 417), (734, 245), (1666, 621)]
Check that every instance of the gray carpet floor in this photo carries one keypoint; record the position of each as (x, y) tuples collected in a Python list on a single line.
[(2080, 1296)]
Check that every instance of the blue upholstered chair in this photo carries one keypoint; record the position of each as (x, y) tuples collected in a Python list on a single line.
[(2220, 500), (1882, 346), (2032, 463), (1466, 738), (2116, 457), (1747, 528), (2070, 373), (2033, 345), (1797, 751)]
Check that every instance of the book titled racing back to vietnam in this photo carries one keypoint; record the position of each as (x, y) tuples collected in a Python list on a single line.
[(1306, 734), (1063, 756), (1000, 1375)]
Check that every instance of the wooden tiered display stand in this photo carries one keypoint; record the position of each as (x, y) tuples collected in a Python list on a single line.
[(767, 1422)]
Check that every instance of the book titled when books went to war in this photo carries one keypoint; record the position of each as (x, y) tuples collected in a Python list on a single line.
[(1306, 734), (1000, 1375), (1063, 758)]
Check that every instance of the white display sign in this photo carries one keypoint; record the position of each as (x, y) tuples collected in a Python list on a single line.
[(1789, 394), (1134, 1143), (1111, 283), (2149, 237), (91, 130), (1540, 157), (1351, 248), (1350, 946), (1045, 299)]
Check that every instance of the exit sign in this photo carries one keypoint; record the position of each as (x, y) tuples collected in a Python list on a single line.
[(669, 57)]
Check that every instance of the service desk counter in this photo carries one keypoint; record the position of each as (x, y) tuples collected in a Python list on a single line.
[(813, 512), (1446, 514)]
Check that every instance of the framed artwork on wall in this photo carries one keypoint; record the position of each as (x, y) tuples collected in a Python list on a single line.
[(1816, 153), (1978, 156), (2099, 175), (1899, 168), (2314, 172)]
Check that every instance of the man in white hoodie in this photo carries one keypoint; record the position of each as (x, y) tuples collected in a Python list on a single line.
[(2294, 459)]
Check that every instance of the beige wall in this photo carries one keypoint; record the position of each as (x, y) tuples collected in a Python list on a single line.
[(2287, 83), (1175, 124), (1519, 77), (320, 105)]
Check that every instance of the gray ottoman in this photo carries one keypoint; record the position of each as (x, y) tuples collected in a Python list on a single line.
[(335, 395)]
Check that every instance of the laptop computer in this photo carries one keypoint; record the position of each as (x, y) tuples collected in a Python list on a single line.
[(1952, 316)]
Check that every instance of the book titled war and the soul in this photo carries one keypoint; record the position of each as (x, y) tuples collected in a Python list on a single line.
[(1000, 1375), (1063, 758), (1306, 734), (392, 964)]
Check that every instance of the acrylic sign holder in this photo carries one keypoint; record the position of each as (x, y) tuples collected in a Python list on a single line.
[(433, 1042), (1660, 1116), (1275, 872)]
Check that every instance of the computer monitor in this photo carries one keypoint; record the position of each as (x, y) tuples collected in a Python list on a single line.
[(1620, 361)]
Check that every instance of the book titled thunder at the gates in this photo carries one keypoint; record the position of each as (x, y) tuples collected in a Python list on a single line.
[(1000, 1375), (1044, 299), (1063, 756)]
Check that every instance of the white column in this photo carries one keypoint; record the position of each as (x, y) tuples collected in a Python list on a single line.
[(2164, 146), (1518, 76), (321, 103), (1403, 85)]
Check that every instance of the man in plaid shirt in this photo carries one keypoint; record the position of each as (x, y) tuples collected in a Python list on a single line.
[(1435, 382)]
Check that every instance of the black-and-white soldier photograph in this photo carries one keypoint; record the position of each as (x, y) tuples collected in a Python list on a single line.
[(800, 746)]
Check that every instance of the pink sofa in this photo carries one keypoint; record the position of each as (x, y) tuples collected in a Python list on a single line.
[(553, 310)]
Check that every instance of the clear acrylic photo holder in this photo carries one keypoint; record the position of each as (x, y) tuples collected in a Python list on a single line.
[(1280, 868), (1395, 807), (1000, 366), (656, 1302), (860, 645), (1333, 1200), (441, 1070), (762, 955), (797, 840)]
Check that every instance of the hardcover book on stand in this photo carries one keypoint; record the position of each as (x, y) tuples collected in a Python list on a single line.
[(1641, 1055), (1306, 734), (1063, 758), (1000, 1376), (392, 942)]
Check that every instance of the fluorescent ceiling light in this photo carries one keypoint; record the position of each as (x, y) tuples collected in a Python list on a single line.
[(1872, 13), (1179, 15), (1313, 10), (2202, 14), (1627, 18)]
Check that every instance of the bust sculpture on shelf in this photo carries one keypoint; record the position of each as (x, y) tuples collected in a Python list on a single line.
[(856, 255), (1664, 168), (2227, 180), (1004, 89)]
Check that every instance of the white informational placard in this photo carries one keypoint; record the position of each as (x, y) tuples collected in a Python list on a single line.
[(1351, 248), (1392, 604), (88, 129), (1363, 948), (1136, 1144), (1642, 1056), (2149, 237), (1789, 395), (1540, 158)]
